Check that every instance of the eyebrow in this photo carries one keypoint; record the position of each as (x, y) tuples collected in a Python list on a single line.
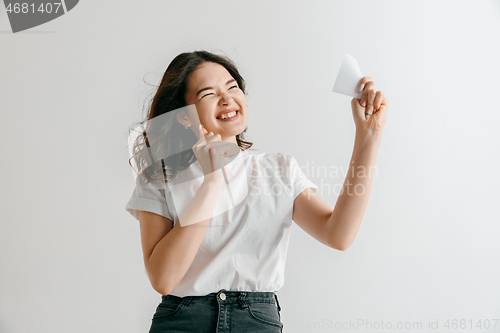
[(208, 88)]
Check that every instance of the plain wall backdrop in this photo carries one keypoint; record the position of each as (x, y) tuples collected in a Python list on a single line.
[(427, 250)]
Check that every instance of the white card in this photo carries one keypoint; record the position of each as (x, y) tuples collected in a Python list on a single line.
[(348, 78)]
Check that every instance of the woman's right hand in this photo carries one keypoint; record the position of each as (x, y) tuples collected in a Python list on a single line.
[(210, 151)]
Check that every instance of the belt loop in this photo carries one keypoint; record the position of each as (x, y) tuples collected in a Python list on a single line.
[(186, 300), (242, 300), (277, 302)]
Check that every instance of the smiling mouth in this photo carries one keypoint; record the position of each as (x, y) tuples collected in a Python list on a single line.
[(236, 112)]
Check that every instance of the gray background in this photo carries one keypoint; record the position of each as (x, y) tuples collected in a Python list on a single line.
[(70, 255)]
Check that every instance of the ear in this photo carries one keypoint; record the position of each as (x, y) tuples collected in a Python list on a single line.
[(183, 119)]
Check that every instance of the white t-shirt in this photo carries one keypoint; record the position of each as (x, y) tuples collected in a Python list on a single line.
[(246, 242)]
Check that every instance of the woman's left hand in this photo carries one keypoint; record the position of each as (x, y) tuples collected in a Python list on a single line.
[(369, 112)]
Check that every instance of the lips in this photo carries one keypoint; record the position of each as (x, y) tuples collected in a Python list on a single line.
[(225, 111), (232, 119)]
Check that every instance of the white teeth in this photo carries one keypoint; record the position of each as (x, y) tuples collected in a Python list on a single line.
[(228, 115)]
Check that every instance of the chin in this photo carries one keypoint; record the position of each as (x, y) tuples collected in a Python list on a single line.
[(237, 129)]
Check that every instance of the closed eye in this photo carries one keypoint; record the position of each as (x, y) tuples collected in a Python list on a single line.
[(212, 93)]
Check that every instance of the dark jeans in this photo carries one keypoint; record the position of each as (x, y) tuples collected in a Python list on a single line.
[(223, 311)]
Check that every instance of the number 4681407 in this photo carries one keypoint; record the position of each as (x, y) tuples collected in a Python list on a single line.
[(25, 8)]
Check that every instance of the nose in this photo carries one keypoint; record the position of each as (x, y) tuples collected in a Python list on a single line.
[(225, 99)]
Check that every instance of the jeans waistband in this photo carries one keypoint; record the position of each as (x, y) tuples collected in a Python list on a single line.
[(228, 297)]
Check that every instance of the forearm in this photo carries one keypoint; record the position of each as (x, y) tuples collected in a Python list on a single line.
[(344, 223), (175, 253)]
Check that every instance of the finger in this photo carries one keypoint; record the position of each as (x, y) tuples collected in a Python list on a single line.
[(211, 137), (357, 111), (369, 101), (225, 148), (204, 129), (385, 101), (384, 105), (377, 102), (362, 83), (207, 139), (369, 85), (201, 132)]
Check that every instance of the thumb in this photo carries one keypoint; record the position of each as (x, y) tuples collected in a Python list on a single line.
[(201, 131), (358, 111)]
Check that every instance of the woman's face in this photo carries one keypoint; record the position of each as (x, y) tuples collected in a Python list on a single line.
[(213, 90)]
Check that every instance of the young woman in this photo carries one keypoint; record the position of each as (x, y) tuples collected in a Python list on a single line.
[(217, 264)]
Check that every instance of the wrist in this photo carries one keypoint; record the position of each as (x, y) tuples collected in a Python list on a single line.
[(368, 136), (368, 139), (215, 177)]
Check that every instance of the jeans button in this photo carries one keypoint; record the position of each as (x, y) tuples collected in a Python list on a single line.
[(222, 296)]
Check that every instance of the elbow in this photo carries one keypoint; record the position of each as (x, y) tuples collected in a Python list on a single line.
[(163, 291), (343, 247), (159, 285), (162, 288), (339, 246)]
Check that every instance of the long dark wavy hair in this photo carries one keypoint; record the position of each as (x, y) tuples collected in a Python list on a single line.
[(161, 140)]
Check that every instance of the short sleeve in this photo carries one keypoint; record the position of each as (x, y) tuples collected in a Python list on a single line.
[(298, 179), (150, 198)]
